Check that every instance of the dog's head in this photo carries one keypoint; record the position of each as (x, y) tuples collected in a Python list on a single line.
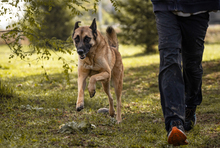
[(84, 38)]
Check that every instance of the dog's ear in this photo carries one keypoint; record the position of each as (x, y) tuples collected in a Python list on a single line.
[(93, 25), (75, 27), (94, 28)]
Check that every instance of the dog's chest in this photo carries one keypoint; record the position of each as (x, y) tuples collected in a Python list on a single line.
[(88, 66), (91, 66), (86, 63)]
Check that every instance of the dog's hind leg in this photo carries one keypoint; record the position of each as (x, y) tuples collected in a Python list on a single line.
[(118, 84), (106, 87)]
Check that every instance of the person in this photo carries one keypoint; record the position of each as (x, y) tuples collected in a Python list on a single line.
[(181, 26)]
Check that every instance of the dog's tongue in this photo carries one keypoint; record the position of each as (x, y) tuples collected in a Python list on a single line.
[(82, 56)]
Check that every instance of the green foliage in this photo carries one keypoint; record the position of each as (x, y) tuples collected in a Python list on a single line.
[(137, 22)]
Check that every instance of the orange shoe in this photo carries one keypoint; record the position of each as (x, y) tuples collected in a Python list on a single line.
[(176, 135)]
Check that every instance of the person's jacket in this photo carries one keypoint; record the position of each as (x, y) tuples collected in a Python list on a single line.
[(186, 6)]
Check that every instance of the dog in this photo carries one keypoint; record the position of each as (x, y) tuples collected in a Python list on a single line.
[(100, 60)]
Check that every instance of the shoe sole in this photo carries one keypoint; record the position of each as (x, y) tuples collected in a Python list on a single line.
[(177, 137)]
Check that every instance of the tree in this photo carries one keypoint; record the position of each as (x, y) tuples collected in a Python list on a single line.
[(56, 21), (137, 22)]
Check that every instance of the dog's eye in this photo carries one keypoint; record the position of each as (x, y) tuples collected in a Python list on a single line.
[(87, 39), (77, 39)]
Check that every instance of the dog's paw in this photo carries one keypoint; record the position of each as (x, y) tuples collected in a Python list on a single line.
[(92, 93), (91, 88), (79, 107), (118, 122), (111, 113)]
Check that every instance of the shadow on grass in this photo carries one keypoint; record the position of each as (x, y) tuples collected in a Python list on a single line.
[(211, 66)]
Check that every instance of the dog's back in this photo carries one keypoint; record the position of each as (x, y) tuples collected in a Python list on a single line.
[(112, 37)]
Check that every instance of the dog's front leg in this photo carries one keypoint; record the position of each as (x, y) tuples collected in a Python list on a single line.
[(103, 76), (81, 87)]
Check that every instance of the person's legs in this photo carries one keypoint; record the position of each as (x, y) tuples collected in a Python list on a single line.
[(193, 33), (171, 82)]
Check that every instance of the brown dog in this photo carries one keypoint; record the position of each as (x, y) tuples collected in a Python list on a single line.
[(100, 59)]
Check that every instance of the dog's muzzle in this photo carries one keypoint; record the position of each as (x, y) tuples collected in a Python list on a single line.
[(81, 53)]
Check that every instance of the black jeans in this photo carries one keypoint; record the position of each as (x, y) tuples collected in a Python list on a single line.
[(181, 45)]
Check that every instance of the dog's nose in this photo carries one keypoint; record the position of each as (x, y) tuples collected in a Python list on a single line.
[(80, 51)]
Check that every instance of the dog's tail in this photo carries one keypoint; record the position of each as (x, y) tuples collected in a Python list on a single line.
[(112, 37)]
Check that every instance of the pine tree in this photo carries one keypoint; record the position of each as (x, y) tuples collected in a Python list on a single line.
[(58, 23), (55, 21), (137, 22)]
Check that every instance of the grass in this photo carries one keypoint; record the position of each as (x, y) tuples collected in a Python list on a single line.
[(54, 100)]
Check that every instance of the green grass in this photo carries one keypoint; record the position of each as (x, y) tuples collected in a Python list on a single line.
[(143, 122)]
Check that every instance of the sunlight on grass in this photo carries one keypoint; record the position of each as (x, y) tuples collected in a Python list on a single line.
[(33, 65), (211, 52), (132, 57)]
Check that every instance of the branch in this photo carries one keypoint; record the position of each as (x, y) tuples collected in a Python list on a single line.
[(19, 31)]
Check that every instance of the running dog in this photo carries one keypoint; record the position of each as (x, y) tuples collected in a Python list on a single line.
[(99, 59)]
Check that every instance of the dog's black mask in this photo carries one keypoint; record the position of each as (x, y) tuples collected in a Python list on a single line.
[(83, 46)]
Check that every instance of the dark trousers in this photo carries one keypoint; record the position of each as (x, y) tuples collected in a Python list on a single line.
[(181, 45)]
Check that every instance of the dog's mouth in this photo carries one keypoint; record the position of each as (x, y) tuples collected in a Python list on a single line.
[(83, 56), (82, 53)]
